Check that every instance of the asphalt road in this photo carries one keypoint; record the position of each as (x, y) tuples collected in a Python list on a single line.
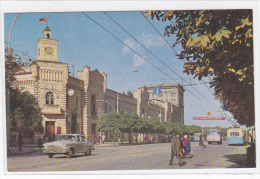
[(133, 157)]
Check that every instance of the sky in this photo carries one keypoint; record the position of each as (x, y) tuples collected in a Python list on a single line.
[(81, 41)]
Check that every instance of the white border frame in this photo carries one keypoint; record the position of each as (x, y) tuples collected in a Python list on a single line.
[(69, 6)]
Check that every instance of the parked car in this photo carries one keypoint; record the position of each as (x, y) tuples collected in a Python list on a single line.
[(68, 144)]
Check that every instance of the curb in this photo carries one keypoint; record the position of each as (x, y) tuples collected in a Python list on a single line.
[(9, 153)]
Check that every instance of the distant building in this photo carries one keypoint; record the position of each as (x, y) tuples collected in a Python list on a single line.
[(65, 100), (172, 94)]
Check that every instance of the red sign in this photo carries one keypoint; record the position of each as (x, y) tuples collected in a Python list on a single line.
[(58, 130), (209, 118)]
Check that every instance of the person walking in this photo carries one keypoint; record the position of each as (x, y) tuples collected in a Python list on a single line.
[(103, 138), (20, 141), (188, 148), (185, 142), (175, 149), (40, 143), (201, 142), (181, 146)]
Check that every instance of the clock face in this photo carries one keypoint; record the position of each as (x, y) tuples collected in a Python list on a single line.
[(48, 50)]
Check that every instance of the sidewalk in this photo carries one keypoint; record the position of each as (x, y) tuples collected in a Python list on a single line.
[(25, 150)]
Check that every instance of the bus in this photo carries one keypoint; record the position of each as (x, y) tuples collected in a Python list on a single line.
[(235, 136), (214, 135)]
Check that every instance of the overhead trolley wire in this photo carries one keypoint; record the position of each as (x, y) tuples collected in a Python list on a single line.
[(137, 53), (231, 121), (153, 54), (162, 61), (168, 43)]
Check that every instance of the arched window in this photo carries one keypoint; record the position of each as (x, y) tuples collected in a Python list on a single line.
[(93, 106), (50, 98), (48, 36)]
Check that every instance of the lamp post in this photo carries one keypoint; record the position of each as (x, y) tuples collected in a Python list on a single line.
[(7, 90), (73, 127), (109, 104), (117, 99)]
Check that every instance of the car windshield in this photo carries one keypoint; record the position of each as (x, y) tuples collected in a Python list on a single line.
[(66, 137)]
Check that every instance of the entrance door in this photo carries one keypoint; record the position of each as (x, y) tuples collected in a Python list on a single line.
[(50, 128)]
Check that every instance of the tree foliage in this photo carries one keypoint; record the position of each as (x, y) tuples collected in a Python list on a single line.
[(127, 123), (217, 43), (130, 94), (109, 122), (132, 123), (24, 111)]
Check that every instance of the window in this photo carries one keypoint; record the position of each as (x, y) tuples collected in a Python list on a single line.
[(93, 106), (234, 134), (50, 98)]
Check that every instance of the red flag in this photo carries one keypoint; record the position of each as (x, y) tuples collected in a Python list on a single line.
[(43, 20)]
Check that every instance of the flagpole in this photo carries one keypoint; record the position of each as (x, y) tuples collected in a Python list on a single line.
[(47, 21)]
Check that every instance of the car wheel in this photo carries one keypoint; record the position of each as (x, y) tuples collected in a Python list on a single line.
[(50, 155), (88, 152), (70, 153)]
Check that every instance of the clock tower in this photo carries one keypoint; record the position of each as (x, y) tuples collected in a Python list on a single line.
[(47, 47)]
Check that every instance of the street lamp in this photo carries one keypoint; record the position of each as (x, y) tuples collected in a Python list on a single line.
[(7, 90), (73, 127), (118, 88), (109, 104)]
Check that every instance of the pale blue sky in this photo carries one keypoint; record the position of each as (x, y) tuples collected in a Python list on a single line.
[(82, 42)]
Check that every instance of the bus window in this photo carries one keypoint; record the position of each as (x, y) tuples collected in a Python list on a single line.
[(234, 134)]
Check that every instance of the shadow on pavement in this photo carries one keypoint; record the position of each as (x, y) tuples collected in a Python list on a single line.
[(238, 160), (33, 153), (74, 156)]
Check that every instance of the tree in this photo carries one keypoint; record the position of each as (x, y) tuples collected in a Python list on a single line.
[(139, 126), (193, 128), (25, 114), (109, 122), (130, 94), (217, 43), (127, 123), (24, 111)]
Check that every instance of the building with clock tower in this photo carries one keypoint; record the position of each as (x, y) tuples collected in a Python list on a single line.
[(47, 47), (74, 105)]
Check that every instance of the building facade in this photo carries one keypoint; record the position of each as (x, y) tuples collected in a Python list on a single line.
[(73, 105)]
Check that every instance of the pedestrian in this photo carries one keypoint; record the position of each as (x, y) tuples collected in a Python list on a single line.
[(103, 138), (188, 148), (184, 142), (201, 142), (181, 146), (175, 149), (20, 141), (40, 143)]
